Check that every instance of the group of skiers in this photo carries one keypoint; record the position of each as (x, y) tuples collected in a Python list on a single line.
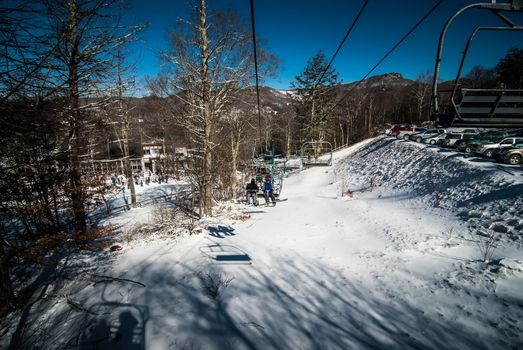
[(139, 178), (147, 176), (268, 192)]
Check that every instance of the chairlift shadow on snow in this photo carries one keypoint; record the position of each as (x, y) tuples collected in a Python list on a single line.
[(447, 256), (220, 231), (113, 324), (225, 254), (122, 326)]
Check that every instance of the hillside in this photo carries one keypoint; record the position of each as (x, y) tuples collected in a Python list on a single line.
[(378, 251)]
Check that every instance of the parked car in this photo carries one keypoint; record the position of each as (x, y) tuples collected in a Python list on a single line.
[(460, 144), (499, 153), (513, 156), (420, 136), (407, 133), (396, 129), (451, 139), (487, 149), (433, 140), (485, 137)]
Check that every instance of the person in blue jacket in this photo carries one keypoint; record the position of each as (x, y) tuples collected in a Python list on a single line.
[(268, 191)]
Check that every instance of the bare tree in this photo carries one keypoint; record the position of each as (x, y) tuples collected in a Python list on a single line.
[(207, 65), (420, 93), (54, 79), (481, 77), (119, 115), (237, 124), (88, 34)]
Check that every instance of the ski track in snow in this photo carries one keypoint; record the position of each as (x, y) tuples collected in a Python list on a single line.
[(390, 267)]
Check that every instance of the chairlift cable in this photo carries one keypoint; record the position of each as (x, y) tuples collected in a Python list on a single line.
[(341, 44), (256, 69), (436, 5)]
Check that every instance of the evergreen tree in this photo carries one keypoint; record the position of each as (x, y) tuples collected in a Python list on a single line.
[(315, 97), (510, 69)]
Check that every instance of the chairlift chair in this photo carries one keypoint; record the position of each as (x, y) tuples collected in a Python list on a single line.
[(478, 107), (316, 153), (268, 166)]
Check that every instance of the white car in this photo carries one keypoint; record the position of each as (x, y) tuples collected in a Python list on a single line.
[(420, 136), (450, 138), (489, 148), (432, 140), (405, 134)]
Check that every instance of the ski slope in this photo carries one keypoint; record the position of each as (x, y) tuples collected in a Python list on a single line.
[(378, 270), (383, 267)]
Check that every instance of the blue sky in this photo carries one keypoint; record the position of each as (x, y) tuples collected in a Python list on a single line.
[(296, 30)]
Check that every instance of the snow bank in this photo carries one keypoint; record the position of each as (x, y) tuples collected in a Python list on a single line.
[(479, 192)]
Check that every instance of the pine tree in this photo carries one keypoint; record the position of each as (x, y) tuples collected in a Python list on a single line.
[(510, 69), (315, 97)]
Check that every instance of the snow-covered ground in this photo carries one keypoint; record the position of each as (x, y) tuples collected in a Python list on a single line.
[(378, 251)]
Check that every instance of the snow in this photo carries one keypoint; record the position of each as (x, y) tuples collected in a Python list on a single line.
[(290, 93), (379, 250)]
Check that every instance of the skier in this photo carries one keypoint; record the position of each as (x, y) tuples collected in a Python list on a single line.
[(252, 190), (268, 191)]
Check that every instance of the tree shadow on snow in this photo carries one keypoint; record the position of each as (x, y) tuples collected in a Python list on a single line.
[(292, 303), (43, 293), (296, 306)]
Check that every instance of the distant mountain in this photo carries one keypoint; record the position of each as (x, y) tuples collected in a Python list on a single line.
[(379, 84)]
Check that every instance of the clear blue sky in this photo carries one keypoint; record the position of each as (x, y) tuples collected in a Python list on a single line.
[(297, 29)]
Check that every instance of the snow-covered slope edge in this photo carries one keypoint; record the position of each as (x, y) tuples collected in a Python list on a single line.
[(483, 196), (440, 214)]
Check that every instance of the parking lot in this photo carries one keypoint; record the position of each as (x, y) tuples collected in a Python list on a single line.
[(500, 147)]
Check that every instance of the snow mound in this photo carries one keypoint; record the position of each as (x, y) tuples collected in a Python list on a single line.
[(485, 197)]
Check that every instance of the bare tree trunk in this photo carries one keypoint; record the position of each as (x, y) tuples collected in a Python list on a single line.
[(206, 194), (127, 165), (342, 135), (124, 122), (7, 295), (77, 192), (235, 150), (289, 140)]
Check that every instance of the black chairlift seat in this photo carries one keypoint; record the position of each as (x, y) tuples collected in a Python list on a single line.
[(486, 108), (479, 107)]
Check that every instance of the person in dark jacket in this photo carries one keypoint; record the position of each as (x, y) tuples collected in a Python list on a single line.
[(252, 191), (268, 191)]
